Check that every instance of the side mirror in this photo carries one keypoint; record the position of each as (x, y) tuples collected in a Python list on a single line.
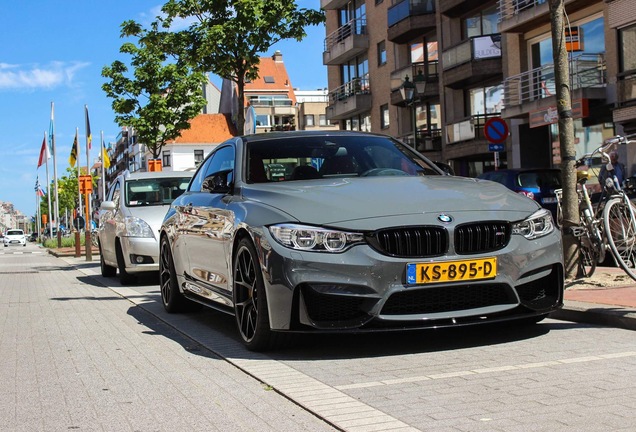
[(218, 183), (107, 205)]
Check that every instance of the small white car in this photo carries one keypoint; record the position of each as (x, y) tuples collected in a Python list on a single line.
[(130, 219), (14, 237)]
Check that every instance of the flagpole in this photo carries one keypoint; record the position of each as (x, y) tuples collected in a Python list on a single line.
[(57, 201), (48, 191), (79, 186), (89, 225), (103, 168)]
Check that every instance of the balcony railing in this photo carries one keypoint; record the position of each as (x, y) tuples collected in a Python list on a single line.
[(468, 129), (510, 8), (475, 48), (271, 102), (354, 87), (430, 71), (427, 140), (586, 71), (407, 8), (356, 26)]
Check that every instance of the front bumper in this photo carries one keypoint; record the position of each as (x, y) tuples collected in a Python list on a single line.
[(361, 289), (144, 249)]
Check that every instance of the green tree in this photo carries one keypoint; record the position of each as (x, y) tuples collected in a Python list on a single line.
[(227, 36), (160, 95), (68, 193)]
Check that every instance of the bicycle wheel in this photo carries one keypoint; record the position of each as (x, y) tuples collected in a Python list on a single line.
[(588, 256), (620, 229)]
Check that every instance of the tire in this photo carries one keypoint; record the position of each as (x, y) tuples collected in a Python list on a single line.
[(107, 271), (250, 302), (588, 257), (124, 277), (620, 230), (171, 297)]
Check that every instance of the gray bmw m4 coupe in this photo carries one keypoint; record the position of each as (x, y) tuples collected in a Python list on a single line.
[(355, 232)]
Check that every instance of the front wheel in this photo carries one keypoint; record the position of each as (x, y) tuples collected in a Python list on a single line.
[(172, 299), (250, 303), (620, 229)]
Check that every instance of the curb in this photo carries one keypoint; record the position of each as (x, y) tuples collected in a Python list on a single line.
[(594, 313)]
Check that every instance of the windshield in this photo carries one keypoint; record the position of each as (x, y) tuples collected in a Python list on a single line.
[(154, 191), (314, 157), (15, 232)]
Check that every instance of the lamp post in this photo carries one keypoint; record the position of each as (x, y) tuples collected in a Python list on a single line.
[(409, 90)]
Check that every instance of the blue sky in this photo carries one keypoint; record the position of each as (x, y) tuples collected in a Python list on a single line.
[(54, 51)]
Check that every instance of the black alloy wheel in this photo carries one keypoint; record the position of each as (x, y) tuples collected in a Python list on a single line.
[(250, 304), (172, 299)]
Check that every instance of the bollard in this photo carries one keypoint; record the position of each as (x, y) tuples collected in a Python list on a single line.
[(89, 246), (78, 246)]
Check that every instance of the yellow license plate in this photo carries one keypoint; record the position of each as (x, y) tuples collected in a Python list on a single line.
[(451, 271)]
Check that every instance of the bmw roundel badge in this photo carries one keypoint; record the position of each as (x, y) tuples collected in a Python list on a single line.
[(444, 218)]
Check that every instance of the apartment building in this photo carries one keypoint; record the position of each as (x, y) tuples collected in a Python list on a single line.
[(480, 60)]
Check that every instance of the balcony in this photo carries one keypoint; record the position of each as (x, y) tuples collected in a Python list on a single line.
[(456, 8), (472, 61), (345, 43), (273, 106), (410, 18), (626, 98), (536, 89), (431, 76), (332, 4), (519, 16), (427, 140), (471, 128), (349, 99)]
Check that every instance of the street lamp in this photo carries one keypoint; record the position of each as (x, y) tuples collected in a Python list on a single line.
[(409, 90)]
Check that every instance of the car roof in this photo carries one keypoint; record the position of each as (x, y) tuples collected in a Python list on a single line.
[(157, 174), (297, 134)]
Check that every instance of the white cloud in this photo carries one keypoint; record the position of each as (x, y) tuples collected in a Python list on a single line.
[(34, 76)]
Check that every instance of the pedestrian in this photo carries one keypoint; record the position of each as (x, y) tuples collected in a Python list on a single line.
[(617, 167)]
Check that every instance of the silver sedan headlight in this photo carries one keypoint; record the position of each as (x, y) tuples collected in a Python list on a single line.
[(308, 238), (136, 227), (538, 225)]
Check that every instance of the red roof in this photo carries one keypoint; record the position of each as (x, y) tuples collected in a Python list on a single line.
[(207, 129), (272, 79)]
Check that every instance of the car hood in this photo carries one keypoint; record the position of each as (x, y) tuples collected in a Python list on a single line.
[(369, 203), (152, 215)]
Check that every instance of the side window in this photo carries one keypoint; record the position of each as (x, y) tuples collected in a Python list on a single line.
[(221, 160)]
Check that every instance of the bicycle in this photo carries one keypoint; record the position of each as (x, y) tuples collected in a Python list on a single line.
[(616, 212)]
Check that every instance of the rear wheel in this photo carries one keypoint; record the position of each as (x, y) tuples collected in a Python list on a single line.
[(250, 303), (172, 299), (588, 256), (620, 228)]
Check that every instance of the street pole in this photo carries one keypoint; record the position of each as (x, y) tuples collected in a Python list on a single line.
[(566, 139)]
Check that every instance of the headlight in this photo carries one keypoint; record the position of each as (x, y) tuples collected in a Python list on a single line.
[(136, 227), (307, 238), (538, 225)]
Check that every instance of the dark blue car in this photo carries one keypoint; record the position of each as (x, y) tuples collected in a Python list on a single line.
[(536, 183)]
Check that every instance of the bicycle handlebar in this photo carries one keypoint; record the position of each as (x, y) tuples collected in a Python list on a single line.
[(603, 149)]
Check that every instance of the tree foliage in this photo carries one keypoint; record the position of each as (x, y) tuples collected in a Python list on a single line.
[(225, 37), (160, 94), (67, 191)]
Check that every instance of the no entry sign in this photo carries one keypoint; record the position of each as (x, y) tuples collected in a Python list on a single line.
[(496, 130)]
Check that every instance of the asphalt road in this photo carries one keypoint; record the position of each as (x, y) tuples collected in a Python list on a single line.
[(80, 351)]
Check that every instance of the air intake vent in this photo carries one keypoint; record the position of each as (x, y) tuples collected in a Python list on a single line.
[(411, 242), (481, 237)]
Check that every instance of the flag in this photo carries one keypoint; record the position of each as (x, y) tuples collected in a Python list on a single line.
[(40, 192), (73, 157), (89, 137), (52, 131), (105, 157), (44, 153)]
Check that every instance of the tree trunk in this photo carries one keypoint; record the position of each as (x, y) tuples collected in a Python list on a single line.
[(569, 202)]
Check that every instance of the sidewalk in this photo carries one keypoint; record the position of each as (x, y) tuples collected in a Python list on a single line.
[(607, 298)]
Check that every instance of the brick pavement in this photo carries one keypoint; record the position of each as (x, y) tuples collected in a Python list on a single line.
[(78, 356)]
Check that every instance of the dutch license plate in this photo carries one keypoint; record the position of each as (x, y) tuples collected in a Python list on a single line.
[(549, 200), (451, 271)]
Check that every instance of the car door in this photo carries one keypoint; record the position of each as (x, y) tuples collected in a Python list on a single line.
[(205, 225)]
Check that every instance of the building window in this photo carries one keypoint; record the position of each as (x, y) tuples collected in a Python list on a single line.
[(166, 159), (485, 100), (309, 120), (381, 53), (484, 22), (628, 48), (384, 116), (198, 157), (322, 120)]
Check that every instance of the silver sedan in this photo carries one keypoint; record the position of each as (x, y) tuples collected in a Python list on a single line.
[(360, 233)]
